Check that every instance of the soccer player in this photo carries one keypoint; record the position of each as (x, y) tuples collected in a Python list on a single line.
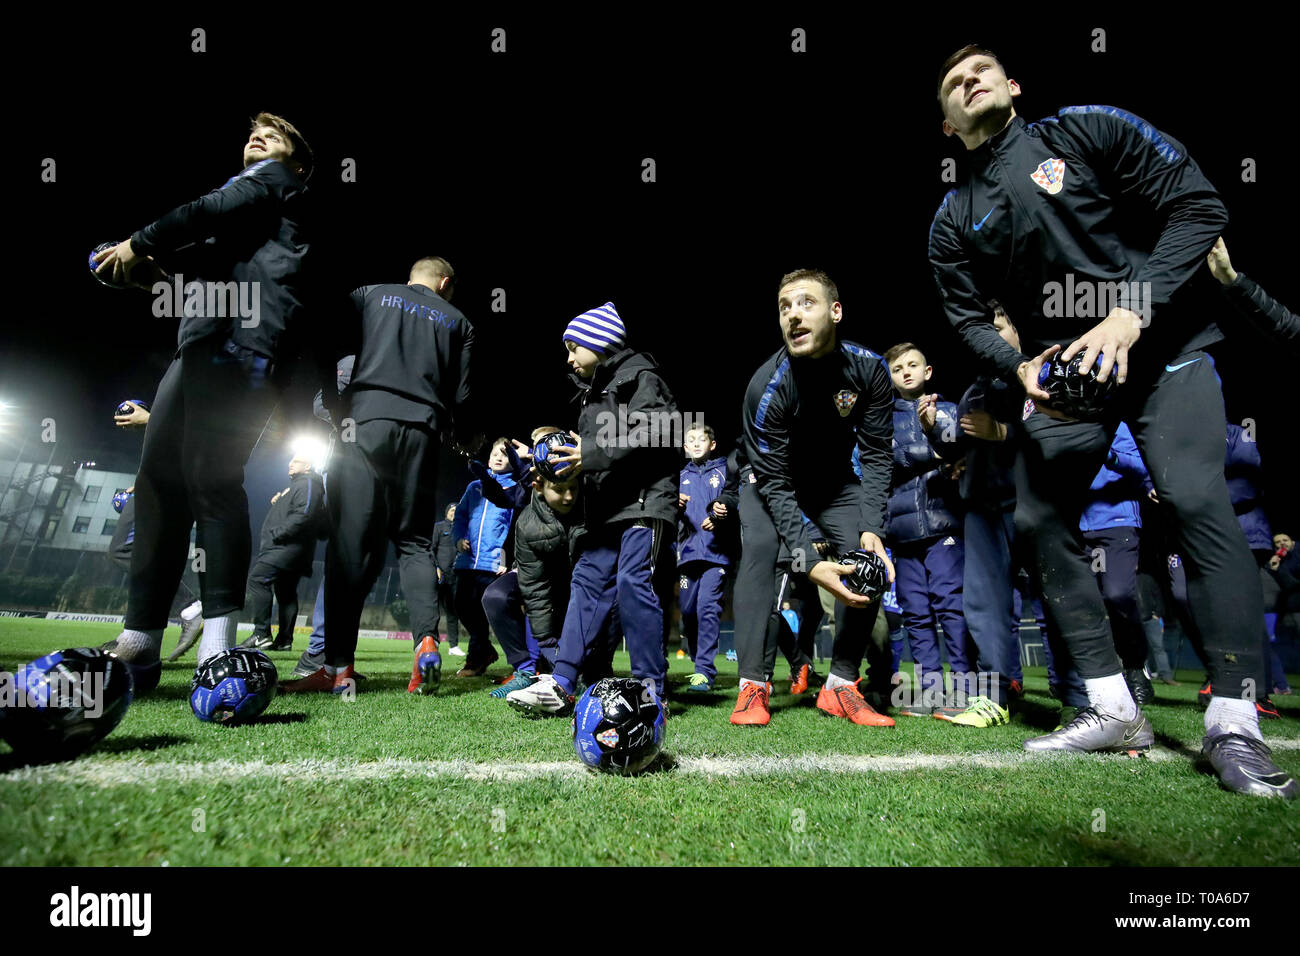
[(444, 552), (1260, 309), (213, 400), (1058, 204), (123, 541), (410, 385), (289, 535), (804, 410)]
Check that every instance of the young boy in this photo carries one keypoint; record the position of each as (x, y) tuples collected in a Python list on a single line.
[(629, 498), (547, 537), (987, 414), (480, 528), (924, 530), (702, 556)]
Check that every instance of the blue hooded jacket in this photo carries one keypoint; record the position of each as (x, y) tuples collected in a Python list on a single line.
[(1121, 482), (922, 501), (487, 526), (1244, 471), (704, 484)]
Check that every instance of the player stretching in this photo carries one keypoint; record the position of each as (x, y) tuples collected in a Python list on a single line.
[(246, 241), (805, 409), (1057, 205)]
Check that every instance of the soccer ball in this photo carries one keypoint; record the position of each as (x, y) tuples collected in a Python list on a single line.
[(1081, 397), (60, 704), (618, 725), (120, 499), (546, 448), (869, 575), (94, 265), (233, 687)]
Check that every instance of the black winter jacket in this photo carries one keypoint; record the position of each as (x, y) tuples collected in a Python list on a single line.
[(630, 465), (545, 547), (294, 523)]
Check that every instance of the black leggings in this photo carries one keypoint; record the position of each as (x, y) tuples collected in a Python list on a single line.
[(1176, 416), (207, 415)]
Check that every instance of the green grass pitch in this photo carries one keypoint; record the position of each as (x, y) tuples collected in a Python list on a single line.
[(460, 778)]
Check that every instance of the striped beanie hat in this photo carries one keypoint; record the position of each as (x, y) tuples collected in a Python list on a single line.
[(600, 330)]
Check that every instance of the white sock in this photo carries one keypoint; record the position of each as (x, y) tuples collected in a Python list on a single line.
[(1233, 714), (834, 680), (331, 670), (138, 644), (1111, 695), (191, 612), (745, 681), (218, 635)]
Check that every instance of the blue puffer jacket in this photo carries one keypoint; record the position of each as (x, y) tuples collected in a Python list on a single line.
[(704, 483), (1244, 472), (922, 502), (1114, 499), (485, 525)]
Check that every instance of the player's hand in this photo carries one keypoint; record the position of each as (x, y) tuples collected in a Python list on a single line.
[(1153, 496), (572, 457), (827, 574), (136, 418), (439, 575), (122, 265), (707, 524), (871, 542), (822, 548), (1220, 264), (1111, 339), (719, 510), (1274, 563), (682, 499), (463, 545), (525, 452), (980, 424), (927, 410), (1027, 372)]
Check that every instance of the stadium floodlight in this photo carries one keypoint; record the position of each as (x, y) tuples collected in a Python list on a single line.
[(311, 448)]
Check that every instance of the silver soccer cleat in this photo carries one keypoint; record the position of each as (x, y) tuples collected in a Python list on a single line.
[(1091, 731)]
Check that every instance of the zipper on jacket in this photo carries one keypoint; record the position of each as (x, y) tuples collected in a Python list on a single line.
[(478, 545)]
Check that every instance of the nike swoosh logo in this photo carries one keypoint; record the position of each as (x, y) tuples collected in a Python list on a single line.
[(1175, 368), (979, 225)]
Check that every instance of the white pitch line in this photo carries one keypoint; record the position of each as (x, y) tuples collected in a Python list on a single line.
[(117, 773)]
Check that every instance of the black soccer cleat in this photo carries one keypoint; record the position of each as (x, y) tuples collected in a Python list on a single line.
[(1139, 685), (1245, 765)]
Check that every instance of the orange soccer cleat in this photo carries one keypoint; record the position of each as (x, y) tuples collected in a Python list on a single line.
[(847, 701), (751, 706), (322, 682)]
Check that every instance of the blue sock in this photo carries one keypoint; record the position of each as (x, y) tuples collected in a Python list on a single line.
[(566, 685)]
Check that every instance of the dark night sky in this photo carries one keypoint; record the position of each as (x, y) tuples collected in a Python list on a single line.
[(524, 170)]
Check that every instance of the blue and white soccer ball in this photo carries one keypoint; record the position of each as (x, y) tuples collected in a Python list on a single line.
[(545, 449), (60, 704), (233, 687), (618, 725)]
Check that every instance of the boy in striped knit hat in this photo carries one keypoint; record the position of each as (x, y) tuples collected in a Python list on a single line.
[(629, 471)]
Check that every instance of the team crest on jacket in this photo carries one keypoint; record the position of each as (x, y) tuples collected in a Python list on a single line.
[(1050, 175), (714, 480), (1029, 409), (844, 400)]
